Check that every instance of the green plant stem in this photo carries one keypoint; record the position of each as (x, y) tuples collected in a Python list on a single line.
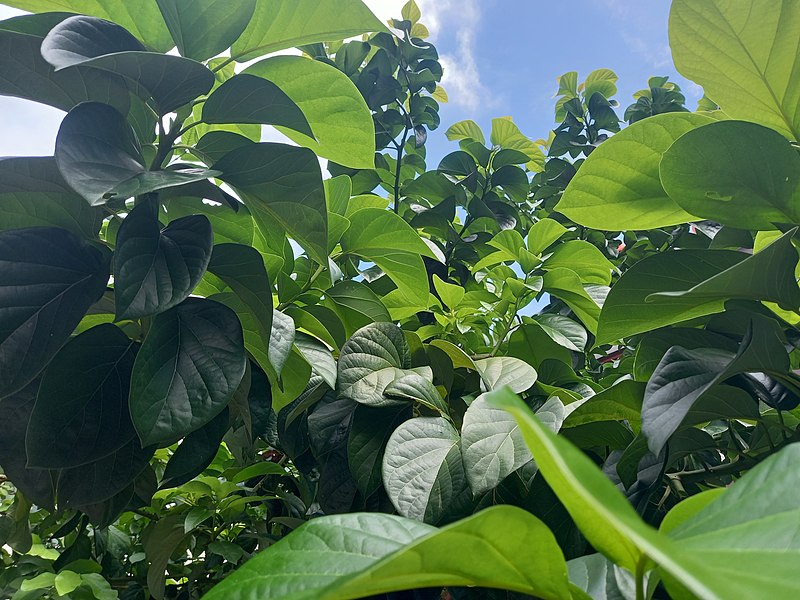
[(398, 167), (640, 573)]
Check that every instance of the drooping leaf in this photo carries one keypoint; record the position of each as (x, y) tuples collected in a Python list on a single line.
[(414, 387), (83, 41), (247, 98), (195, 452), (358, 555), (50, 279), (281, 340), (190, 364), (618, 187), (366, 442), (202, 30), (142, 19), (334, 108), (756, 187), (276, 25), (748, 66), (423, 471), (88, 419), (281, 185), (157, 268), (33, 194), (100, 158)]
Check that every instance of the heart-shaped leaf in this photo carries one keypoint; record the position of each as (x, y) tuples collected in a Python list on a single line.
[(190, 364), (50, 279), (89, 419), (154, 268)]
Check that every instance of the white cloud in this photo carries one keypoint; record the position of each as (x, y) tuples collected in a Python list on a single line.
[(462, 78)]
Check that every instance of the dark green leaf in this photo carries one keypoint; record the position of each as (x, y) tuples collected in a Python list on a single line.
[(190, 364), (88, 419), (195, 452), (154, 268), (369, 433), (50, 279)]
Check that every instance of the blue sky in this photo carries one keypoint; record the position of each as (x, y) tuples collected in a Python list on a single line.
[(501, 57)]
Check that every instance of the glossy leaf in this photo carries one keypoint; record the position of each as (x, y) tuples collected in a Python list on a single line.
[(89, 419), (186, 371), (756, 187), (85, 41), (50, 279), (143, 20), (618, 187), (334, 108), (157, 268)]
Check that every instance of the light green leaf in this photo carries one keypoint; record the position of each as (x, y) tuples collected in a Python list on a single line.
[(451, 294), (747, 66), (423, 471), (465, 130), (583, 258), (278, 25), (350, 556), (336, 111), (544, 233), (414, 387), (603, 81), (756, 187), (565, 284), (382, 237), (508, 136), (506, 370), (143, 19), (202, 29), (618, 188), (67, 582)]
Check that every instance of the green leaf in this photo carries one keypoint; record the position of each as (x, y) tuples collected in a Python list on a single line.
[(357, 555), (156, 269), (533, 345), (584, 258), (566, 285), (492, 446), (654, 345), (195, 452), (281, 185), (423, 471), (766, 275), (281, 340), (144, 19), (171, 81), (242, 269), (250, 99), (102, 479), (621, 402), (451, 294), (160, 539), (506, 370), (190, 364), (33, 194), (382, 237), (50, 279), (543, 234), (366, 442), (25, 74), (203, 29), (618, 186), (595, 575), (100, 158), (262, 469), (751, 521), (88, 419), (370, 360), (416, 388), (601, 81), (563, 331), (507, 135), (67, 582), (277, 25), (465, 130), (756, 187), (337, 113), (318, 356), (626, 310), (748, 66)]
